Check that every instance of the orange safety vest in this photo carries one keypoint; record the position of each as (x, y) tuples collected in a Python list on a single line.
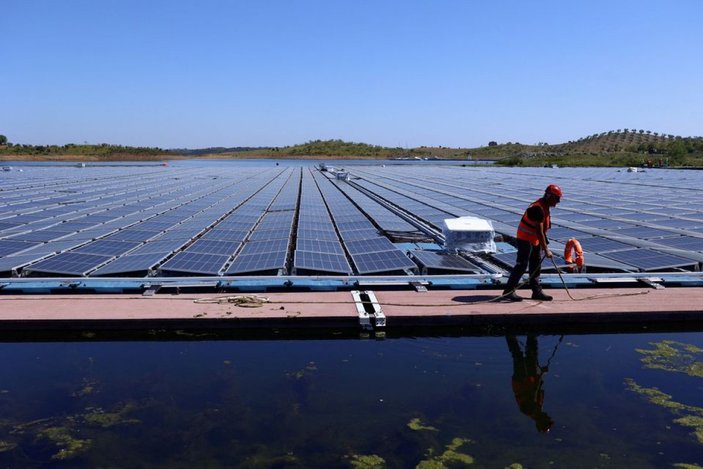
[(528, 229)]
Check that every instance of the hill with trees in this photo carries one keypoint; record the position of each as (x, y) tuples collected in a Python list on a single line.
[(621, 147)]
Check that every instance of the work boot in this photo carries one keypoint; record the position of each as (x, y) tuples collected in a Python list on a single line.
[(510, 295), (541, 296)]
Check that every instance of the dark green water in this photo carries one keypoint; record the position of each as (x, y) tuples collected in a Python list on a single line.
[(432, 402)]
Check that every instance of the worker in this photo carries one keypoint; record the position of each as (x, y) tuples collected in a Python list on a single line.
[(527, 381), (531, 242)]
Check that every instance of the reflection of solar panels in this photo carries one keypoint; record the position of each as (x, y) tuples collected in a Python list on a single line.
[(432, 260)]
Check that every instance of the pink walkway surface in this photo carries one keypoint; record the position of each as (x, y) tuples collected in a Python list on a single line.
[(320, 309)]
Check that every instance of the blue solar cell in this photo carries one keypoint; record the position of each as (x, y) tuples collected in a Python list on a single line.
[(646, 259), (321, 246), (321, 262), (69, 263), (214, 247), (444, 261), (358, 235), (326, 235), (271, 261), (260, 247), (385, 261), (132, 263), (8, 246), (261, 235), (107, 248), (197, 263), (688, 243), (131, 234), (369, 245)]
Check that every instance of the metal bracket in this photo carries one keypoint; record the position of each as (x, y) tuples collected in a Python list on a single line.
[(371, 315), (150, 290), (419, 286), (652, 282)]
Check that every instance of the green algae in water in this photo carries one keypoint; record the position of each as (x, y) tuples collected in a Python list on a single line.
[(692, 418), (7, 446), (449, 458), (69, 446), (677, 357), (681, 465), (417, 425), (370, 461)]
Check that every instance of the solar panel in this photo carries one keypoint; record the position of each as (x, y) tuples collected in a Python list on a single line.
[(643, 232), (597, 244), (646, 259), (107, 248), (261, 235), (258, 263), (688, 243), (225, 235), (195, 262), (369, 245), (318, 234), (41, 235), (444, 261), (129, 264), (69, 263), (321, 246), (8, 246), (130, 234), (258, 247), (385, 261), (159, 245), (359, 235), (7, 264), (321, 262), (208, 246)]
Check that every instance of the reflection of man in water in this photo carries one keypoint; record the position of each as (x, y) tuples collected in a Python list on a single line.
[(527, 381)]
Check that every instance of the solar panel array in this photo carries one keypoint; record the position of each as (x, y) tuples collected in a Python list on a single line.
[(265, 220)]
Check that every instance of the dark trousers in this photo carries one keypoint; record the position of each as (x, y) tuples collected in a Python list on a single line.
[(527, 256)]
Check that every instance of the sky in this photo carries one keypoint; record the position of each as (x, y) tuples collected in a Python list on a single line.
[(453, 73)]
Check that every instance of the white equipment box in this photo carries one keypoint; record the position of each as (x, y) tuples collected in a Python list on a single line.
[(470, 234)]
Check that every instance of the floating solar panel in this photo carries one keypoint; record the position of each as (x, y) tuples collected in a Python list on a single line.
[(271, 261), (132, 235), (107, 248), (68, 263), (321, 246), (643, 232), (596, 244), (357, 235), (8, 246), (140, 263), (369, 245), (327, 235), (261, 247), (41, 235), (321, 262), (688, 243), (262, 235), (208, 246), (440, 261), (649, 260), (10, 263), (385, 261), (197, 263)]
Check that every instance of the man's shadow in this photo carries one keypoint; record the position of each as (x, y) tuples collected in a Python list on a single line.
[(474, 299), (527, 381)]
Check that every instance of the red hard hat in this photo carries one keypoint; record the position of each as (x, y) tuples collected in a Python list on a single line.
[(554, 190)]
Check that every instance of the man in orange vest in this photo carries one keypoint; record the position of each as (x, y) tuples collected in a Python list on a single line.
[(531, 241)]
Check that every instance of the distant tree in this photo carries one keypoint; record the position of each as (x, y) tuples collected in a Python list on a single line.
[(3, 140), (492, 143)]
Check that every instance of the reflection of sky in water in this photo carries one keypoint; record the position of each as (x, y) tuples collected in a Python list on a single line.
[(312, 402)]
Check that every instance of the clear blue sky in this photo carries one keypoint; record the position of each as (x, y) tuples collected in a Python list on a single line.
[(458, 73)]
